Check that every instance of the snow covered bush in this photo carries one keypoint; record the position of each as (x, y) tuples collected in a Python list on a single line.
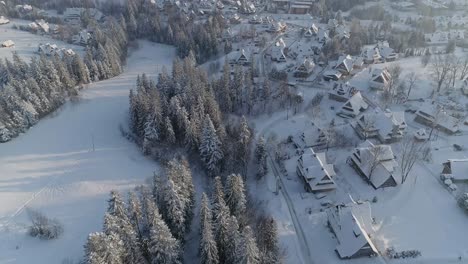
[(463, 201), (393, 254), (44, 227)]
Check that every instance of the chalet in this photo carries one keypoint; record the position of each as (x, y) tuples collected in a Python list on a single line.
[(4, 20), (332, 75), (332, 23), (308, 33), (227, 34), (455, 170), (255, 20), (310, 138), (322, 36), (304, 69), (342, 33), (276, 27), (72, 15), (376, 164), (348, 224), (47, 49), (277, 54), (235, 19), (316, 174), (354, 106), (421, 135), (240, 58), (433, 116), (379, 79), (345, 64), (341, 92), (8, 44), (371, 55), (386, 52), (25, 9), (386, 126), (82, 38)]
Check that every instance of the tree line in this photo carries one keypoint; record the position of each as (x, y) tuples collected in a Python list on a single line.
[(150, 227), (30, 91)]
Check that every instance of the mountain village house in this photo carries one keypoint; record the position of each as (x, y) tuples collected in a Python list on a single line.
[(376, 164), (354, 106), (434, 116), (316, 174), (386, 126), (348, 224), (379, 79)]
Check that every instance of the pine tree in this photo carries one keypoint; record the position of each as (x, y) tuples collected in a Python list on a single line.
[(233, 242), (170, 135), (101, 248), (116, 205), (208, 249), (205, 212), (235, 195), (174, 210), (267, 239), (260, 150), (221, 219), (163, 247), (248, 251), (210, 146), (244, 143)]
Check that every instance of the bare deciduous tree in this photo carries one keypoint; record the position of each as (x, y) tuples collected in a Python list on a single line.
[(376, 153), (411, 80), (440, 67), (411, 152)]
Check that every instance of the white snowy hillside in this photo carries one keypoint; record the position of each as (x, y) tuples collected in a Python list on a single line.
[(66, 165)]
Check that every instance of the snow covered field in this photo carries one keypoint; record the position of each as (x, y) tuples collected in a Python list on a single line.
[(53, 167), (26, 43)]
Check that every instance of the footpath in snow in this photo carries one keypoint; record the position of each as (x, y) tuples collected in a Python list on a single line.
[(53, 167)]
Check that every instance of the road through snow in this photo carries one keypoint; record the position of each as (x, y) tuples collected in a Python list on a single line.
[(53, 168)]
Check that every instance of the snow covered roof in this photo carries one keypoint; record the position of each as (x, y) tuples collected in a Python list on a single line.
[(387, 125), (348, 223), (355, 105), (345, 63), (386, 168), (317, 173), (431, 113)]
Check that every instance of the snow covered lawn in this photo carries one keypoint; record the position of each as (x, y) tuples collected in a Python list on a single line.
[(54, 169)]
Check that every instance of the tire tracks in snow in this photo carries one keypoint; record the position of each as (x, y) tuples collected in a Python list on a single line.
[(304, 246)]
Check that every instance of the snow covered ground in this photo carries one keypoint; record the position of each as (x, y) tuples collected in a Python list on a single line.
[(26, 43), (53, 167)]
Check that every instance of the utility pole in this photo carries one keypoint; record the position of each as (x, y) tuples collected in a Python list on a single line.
[(92, 141)]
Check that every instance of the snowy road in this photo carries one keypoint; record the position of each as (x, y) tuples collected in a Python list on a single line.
[(54, 169), (297, 224)]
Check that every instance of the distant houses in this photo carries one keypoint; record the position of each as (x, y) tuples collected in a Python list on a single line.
[(316, 174), (348, 225), (241, 57), (82, 38), (310, 138), (376, 164), (52, 49), (443, 37)]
